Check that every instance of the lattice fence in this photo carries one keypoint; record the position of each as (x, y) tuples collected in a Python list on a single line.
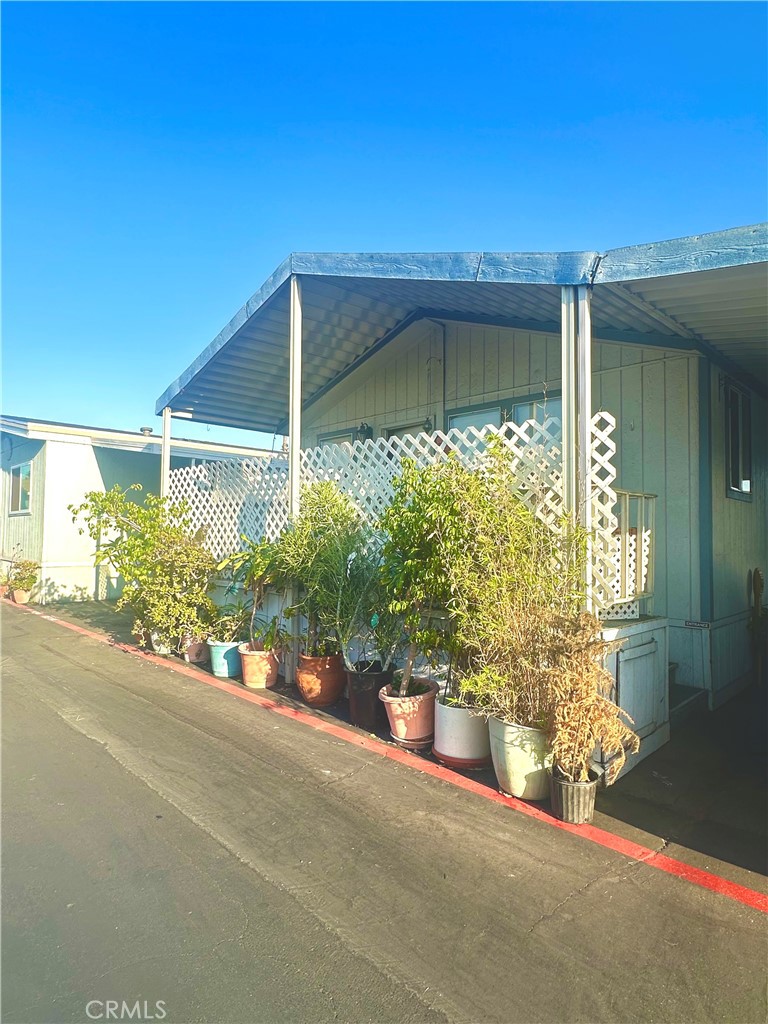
[(251, 496), (234, 497)]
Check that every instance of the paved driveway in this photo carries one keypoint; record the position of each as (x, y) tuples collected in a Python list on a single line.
[(165, 841)]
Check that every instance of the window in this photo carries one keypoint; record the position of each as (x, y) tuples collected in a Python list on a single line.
[(20, 487), (738, 442), (537, 409), (409, 428), (325, 440)]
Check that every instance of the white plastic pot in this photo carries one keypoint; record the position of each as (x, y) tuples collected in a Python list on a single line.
[(521, 757), (461, 739)]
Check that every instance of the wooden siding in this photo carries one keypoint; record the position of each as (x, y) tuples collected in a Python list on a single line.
[(654, 396), (22, 531), (652, 392)]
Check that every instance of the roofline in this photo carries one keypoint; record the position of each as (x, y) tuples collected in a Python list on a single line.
[(45, 430), (715, 250)]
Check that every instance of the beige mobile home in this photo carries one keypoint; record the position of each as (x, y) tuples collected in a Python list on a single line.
[(47, 466), (630, 384)]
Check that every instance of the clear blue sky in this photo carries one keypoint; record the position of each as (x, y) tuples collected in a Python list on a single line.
[(161, 159)]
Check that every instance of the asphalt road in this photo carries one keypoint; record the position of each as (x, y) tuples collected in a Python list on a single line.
[(166, 843)]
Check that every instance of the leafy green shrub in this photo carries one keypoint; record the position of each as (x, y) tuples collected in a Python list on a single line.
[(22, 574), (167, 571)]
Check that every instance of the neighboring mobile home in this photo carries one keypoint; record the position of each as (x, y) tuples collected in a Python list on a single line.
[(669, 340), (48, 466)]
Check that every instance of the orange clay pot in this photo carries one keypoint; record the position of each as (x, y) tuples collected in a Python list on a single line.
[(411, 719), (320, 680), (259, 667)]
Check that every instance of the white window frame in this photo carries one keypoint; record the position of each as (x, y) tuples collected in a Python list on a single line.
[(21, 511)]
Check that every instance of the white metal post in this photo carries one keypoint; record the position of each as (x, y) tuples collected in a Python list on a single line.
[(570, 398), (165, 453), (294, 437), (577, 414), (294, 399), (584, 427)]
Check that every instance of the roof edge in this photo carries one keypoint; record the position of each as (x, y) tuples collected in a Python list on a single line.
[(713, 251), (716, 250)]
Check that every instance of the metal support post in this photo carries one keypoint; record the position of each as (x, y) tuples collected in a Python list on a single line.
[(165, 453)]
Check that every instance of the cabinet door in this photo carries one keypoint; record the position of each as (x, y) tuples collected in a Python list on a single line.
[(639, 685)]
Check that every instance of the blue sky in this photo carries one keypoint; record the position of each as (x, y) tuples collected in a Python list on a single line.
[(161, 159)]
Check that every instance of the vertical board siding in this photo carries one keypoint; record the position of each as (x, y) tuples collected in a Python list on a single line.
[(23, 532), (653, 394)]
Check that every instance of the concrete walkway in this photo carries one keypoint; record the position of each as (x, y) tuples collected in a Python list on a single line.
[(450, 906)]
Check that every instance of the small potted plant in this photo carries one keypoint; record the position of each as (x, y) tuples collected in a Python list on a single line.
[(256, 566), (583, 717), (22, 577), (228, 630)]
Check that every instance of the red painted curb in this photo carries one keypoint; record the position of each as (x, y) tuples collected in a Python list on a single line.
[(705, 879)]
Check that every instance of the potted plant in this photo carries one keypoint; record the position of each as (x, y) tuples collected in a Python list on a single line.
[(511, 586), (228, 631), (584, 717), (21, 578), (166, 570), (308, 558), (370, 634), (256, 567), (423, 529)]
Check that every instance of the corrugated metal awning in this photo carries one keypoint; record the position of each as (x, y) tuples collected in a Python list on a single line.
[(706, 293)]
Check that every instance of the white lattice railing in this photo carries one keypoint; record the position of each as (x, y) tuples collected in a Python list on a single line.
[(251, 496), (634, 554)]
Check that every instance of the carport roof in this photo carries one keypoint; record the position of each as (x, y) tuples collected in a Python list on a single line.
[(706, 293)]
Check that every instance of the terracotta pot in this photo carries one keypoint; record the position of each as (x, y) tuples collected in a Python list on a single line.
[(320, 680), (411, 719), (196, 653), (3, 590), (20, 596), (259, 667)]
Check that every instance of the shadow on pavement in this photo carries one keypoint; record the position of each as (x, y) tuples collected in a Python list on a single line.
[(703, 796)]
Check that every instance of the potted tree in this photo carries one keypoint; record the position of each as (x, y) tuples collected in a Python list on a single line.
[(256, 567), (423, 529), (511, 586), (308, 559), (370, 634), (584, 717)]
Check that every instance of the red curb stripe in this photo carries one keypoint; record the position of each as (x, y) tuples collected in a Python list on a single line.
[(634, 851)]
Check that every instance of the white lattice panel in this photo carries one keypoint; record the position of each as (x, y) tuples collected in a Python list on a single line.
[(234, 497), (602, 498), (365, 469), (250, 497)]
